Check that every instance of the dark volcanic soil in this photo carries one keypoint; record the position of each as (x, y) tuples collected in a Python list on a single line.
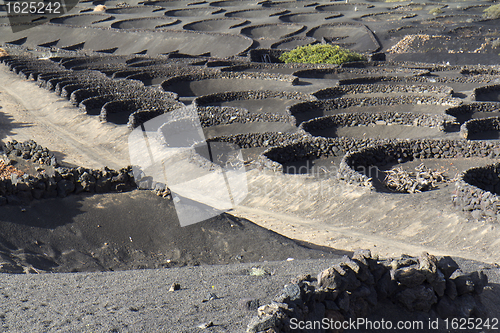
[(297, 218), (133, 230)]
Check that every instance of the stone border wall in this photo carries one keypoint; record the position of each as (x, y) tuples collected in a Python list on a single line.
[(228, 75), (250, 95), (477, 92), (269, 67), (404, 15), (139, 117), (477, 190), (479, 70), (442, 122), (300, 28), (350, 89), (472, 18), (400, 151), (82, 62), (252, 140), (367, 72), (152, 72), (64, 181), (474, 126), (330, 105), (28, 66), (308, 147), (420, 78), (473, 107), (210, 115), (358, 285), (223, 115)]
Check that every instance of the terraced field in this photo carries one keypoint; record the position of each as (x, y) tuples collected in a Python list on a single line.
[(396, 154)]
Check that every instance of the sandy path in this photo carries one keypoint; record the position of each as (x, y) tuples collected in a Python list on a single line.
[(330, 213), (28, 112)]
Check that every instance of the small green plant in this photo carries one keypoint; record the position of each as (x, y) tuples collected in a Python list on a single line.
[(492, 12), (321, 54), (436, 11)]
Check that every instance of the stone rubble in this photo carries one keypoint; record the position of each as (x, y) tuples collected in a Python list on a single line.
[(358, 285), (63, 182)]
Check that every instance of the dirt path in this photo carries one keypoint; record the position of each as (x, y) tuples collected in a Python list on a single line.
[(29, 112), (323, 234), (330, 213)]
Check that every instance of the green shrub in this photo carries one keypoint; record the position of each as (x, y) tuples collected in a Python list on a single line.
[(436, 11), (321, 54), (492, 12)]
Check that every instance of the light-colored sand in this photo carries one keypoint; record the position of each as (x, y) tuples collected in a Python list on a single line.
[(28, 112)]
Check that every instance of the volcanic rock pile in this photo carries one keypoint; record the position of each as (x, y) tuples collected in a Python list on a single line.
[(477, 191), (29, 150), (382, 118), (63, 181), (356, 287)]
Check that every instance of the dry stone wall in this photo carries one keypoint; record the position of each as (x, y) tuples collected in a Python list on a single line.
[(390, 151), (63, 182), (350, 89), (477, 191), (359, 285), (378, 118), (475, 126)]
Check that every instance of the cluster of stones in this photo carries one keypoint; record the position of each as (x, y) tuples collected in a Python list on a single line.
[(307, 147), (470, 108), (481, 93), (400, 151), (423, 179), (479, 70), (217, 74), (474, 126), (265, 139), (378, 118), (356, 287), (30, 150), (402, 15), (64, 181), (216, 115), (332, 105), (477, 191), (250, 95), (349, 89)]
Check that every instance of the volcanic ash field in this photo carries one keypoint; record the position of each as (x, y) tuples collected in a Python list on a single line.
[(372, 187)]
